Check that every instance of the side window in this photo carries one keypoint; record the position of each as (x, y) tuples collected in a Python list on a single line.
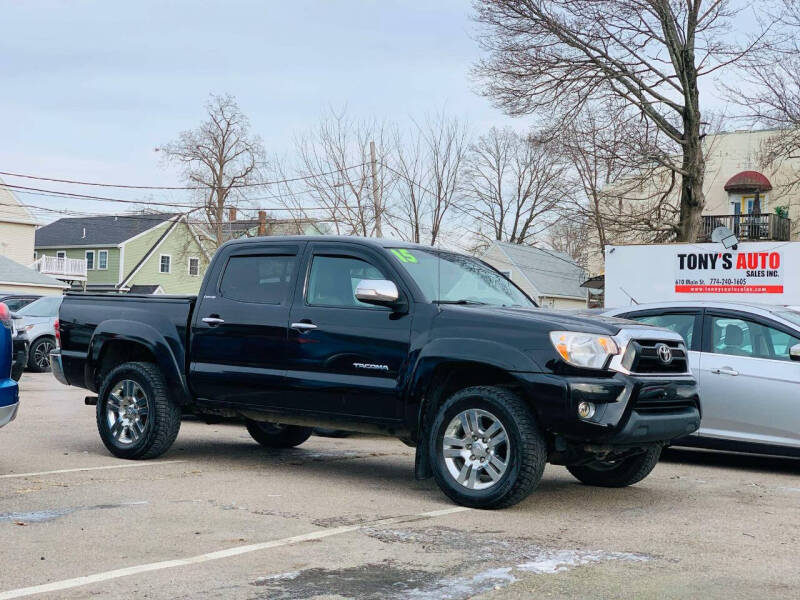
[(741, 337), (262, 279), (731, 336), (333, 281), (680, 323)]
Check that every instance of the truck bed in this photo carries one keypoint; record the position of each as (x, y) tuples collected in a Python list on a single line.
[(83, 318)]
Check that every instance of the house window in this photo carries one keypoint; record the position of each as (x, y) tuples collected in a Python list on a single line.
[(35, 255), (194, 266), (102, 260), (165, 262), (61, 254), (90, 260)]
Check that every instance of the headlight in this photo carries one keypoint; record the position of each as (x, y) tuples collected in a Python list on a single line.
[(584, 349)]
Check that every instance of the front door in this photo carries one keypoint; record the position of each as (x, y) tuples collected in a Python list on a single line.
[(346, 357), (238, 341), (750, 389)]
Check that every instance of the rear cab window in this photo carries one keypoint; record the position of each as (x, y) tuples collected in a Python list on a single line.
[(261, 279)]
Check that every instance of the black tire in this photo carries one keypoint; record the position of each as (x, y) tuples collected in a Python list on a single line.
[(618, 474), (272, 435), (163, 419), (526, 453), (39, 354)]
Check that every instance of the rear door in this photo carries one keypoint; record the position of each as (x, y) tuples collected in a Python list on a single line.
[(238, 341), (750, 388), (346, 357)]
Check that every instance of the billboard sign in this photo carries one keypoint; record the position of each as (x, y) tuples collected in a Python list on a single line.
[(755, 272)]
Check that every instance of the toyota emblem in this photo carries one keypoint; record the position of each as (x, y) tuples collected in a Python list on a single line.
[(664, 353)]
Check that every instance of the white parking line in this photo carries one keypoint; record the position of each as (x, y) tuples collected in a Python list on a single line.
[(122, 466), (227, 553)]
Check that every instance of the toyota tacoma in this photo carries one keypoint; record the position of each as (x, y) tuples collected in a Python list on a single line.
[(433, 347)]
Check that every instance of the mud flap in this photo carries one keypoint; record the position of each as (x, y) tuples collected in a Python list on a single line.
[(19, 366), (422, 466)]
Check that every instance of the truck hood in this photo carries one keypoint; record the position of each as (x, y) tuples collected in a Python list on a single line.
[(551, 319)]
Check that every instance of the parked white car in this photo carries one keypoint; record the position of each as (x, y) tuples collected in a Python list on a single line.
[(746, 360), (38, 325)]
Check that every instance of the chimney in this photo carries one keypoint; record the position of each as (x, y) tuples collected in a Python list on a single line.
[(262, 222), (232, 214)]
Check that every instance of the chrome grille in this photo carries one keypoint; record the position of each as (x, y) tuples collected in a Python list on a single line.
[(642, 357)]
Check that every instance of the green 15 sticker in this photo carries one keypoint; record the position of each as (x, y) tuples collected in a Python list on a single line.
[(404, 255)]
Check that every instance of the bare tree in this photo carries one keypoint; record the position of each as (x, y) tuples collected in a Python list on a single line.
[(623, 191), (335, 164), (512, 184), (771, 94), (570, 236), (555, 56), (221, 157), (429, 165)]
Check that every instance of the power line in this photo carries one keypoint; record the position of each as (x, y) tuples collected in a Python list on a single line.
[(168, 187)]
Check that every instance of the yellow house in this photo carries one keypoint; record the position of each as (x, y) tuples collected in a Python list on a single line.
[(17, 228), (17, 234)]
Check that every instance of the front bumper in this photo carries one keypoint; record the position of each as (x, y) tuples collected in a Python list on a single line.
[(630, 409), (9, 401)]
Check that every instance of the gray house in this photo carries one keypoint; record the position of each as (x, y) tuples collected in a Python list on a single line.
[(551, 278)]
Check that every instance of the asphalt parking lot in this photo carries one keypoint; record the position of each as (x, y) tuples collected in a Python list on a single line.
[(221, 517)]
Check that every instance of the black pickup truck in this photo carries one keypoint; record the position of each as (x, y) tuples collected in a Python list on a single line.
[(433, 347)]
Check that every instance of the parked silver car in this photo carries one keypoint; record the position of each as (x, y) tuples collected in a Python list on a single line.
[(745, 357), (37, 324)]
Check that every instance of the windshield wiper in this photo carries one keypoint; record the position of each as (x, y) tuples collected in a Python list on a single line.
[(462, 301)]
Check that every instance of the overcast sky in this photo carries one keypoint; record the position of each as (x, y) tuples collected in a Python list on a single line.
[(91, 88)]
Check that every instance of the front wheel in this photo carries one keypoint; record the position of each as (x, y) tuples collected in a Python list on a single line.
[(617, 473), (485, 447), (273, 435), (135, 416)]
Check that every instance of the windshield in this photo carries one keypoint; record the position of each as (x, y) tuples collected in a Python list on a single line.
[(43, 307), (453, 278)]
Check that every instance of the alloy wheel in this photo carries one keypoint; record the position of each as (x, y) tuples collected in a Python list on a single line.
[(476, 449), (41, 356), (127, 413)]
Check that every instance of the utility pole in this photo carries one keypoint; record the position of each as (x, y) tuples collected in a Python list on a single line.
[(376, 198)]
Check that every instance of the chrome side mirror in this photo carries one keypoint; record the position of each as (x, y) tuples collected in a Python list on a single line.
[(380, 292), (794, 352)]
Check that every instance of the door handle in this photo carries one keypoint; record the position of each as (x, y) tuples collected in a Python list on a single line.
[(725, 371), (301, 327), (213, 321)]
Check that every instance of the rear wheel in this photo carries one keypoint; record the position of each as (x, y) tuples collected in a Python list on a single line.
[(486, 448), (39, 355), (273, 435), (617, 473), (135, 416)]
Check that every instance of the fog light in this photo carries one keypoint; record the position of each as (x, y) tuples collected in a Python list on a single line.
[(586, 410)]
